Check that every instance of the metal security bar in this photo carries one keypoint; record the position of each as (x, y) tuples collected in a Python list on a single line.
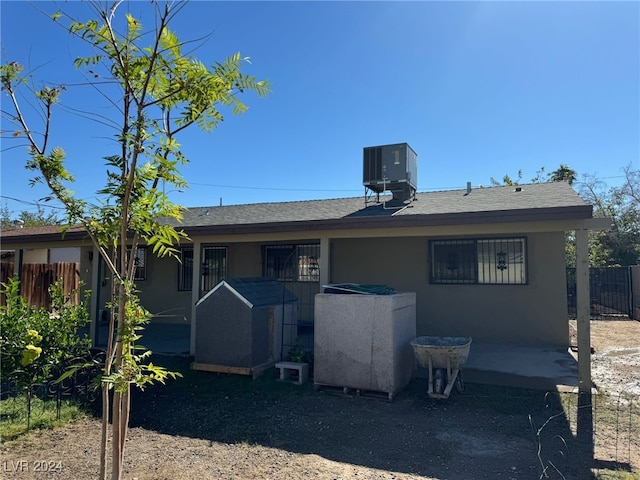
[(496, 261), (298, 266), (185, 269), (501, 261), (610, 292), (292, 263), (214, 267), (453, 261)]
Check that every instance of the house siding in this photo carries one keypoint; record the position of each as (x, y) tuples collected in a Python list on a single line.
[(159, 291), (366, 243), (532, 314)]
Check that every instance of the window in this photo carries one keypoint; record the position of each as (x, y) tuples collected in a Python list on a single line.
[(496, 261), (185, 269), (140, 269), (453, 261), (299, 263), (214, 267)]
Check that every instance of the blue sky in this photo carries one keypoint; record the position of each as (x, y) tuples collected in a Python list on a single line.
[(478, 90)]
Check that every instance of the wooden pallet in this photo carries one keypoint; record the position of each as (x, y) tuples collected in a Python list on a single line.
[(254, 372), (354, 392)]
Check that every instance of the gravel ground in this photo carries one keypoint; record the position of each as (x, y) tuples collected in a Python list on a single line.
[(616, 359), (210, 426)]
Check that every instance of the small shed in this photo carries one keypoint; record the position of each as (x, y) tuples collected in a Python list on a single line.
[(363, 338), (239, 326)]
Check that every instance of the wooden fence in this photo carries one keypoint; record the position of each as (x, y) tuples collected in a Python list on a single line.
[(38, 277)]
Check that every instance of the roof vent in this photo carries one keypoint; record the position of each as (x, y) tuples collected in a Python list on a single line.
[(391, 168), (518, 189)]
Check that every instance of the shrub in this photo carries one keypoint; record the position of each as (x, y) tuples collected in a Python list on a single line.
[(33, 339)]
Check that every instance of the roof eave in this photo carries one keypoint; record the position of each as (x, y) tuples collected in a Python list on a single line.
[(577, 212), (432, 220), (45, 237)]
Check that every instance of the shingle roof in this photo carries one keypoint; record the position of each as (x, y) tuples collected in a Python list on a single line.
[(258, 292), (46, 230), (542, 201), (261, 291), (533, 196)]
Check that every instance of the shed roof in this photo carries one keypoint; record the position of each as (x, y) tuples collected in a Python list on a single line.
[(256, 292)]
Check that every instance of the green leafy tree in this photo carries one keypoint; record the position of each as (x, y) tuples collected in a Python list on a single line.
[(621, 244), (162, 93), (563, 174), (507, 181), (28, 219)]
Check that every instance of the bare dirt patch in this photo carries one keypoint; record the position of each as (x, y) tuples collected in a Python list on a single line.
[(615, 362), (210, 426)]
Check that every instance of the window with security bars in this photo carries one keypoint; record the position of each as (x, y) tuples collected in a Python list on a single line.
[(140, 265), (292, 263), (213, 268), (495, 261), (185, 269)]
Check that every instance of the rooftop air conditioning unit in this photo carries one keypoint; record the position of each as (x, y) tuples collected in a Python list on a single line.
[(391, 168)]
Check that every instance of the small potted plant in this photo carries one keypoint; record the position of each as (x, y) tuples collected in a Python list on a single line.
[(299, 355)]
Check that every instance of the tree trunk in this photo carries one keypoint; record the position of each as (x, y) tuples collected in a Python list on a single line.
[(103, 432), (118, 422), (124, 420), (116, 455), (108, 363)]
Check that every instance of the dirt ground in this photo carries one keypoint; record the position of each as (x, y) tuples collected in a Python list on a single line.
[(211, 426), (616, 358)]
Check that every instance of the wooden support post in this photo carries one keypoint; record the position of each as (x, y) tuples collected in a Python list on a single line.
[(583, 310)]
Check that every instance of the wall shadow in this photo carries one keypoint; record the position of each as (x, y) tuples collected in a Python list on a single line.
[(486, 432)]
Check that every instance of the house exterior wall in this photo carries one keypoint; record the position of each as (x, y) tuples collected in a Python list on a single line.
[(244, 260), (64, 254), (159, 291), (532, 314), (36, 255), (399, 258)]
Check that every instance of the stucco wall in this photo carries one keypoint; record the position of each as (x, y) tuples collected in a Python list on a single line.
[(35, 255), (532, 314), (159, 292), (65, 254), (244, 260)]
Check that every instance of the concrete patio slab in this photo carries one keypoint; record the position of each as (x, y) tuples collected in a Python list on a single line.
[(545, 368), (160, 338), (548, 368)]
